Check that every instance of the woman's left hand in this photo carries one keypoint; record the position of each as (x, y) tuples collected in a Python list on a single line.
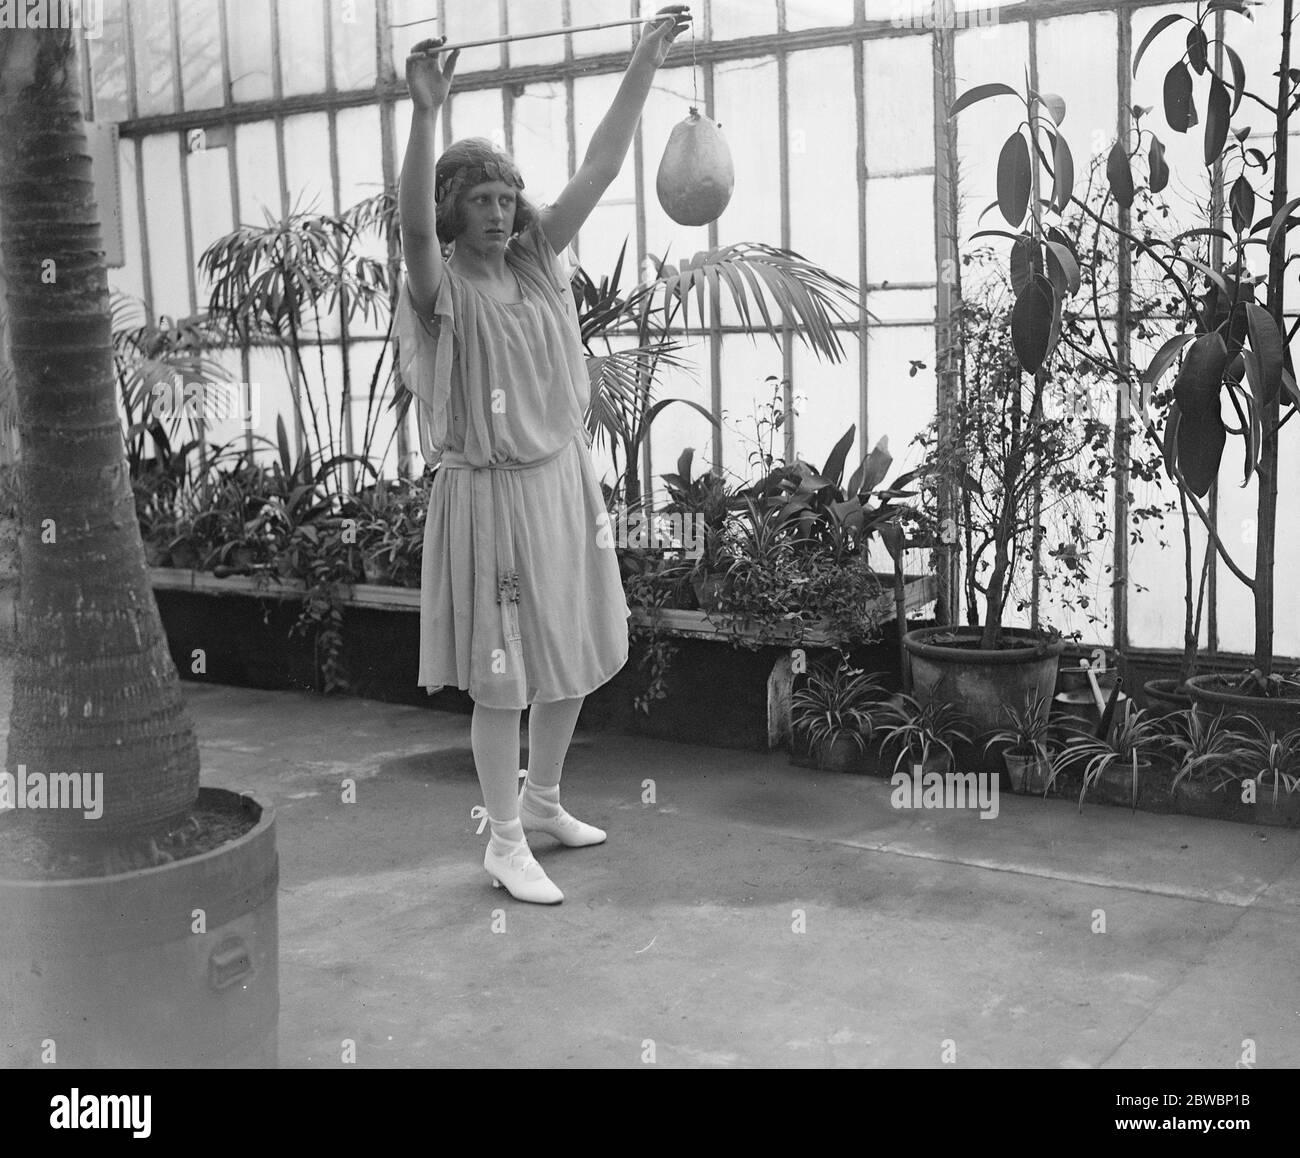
[(659, 32)]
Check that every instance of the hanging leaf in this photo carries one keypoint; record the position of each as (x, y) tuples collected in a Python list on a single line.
[(1179, 110), (1282, 221), (1063, 258), (1063, 177), (1014, 179), (1156, 29), (1197, 387), (1238, 77), (1157, 166), (1120, 175), (1169, 445), (1291, 388), (1252, 426), (1217, 114), (1240, 6), (1201, 439), (1266, 343), (1031, 323), (1198, 45), (1054, 104), (1026, 260), (978, 93), (1241, 204)]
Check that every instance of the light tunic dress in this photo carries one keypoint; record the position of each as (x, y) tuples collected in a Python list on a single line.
[(520, 596)]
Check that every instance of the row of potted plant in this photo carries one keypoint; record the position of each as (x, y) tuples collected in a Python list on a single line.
[(1201, 762)]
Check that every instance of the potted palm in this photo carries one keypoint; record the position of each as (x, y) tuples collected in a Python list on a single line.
[(835, 714), (1025, 745), (171, 884)]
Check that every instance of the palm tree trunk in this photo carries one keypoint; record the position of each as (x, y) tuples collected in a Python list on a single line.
[(95, 689)]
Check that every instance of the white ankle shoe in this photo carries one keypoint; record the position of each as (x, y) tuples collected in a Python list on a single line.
[(523, 878), (568, 830)]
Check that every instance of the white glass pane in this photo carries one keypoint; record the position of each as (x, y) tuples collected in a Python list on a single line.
[(130, 278), (823, 160), (902, 305), (478, 114), (540, 141), (302, 46), (751, 374), (200, 23), (364, 358), (982, 129), (361, 167), (745, 95), (669, 104), (326, 391), (592, 96), (469, 20), (224, 415), (900, 230), (259, 172), (108, 68), (1076, 60), (828, 404), (603, 237), (269, 379), (1156, 577), (248, 35), (360, 178), (899, 99), (1184, 152), (210, 210), (155, 81), (899, 406), (817, 14), (166, 225), (352, 24), (602, 12), (1286, 636), (307, 163), (679, 426), (536, 16), (403, 13), (736, 18), (1237, 527)]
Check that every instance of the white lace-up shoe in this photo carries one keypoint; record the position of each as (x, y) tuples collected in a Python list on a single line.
[(523, 878)]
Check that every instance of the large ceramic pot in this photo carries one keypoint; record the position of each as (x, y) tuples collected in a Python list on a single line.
[(1165, 697), (1211, 699), (947, 664), (168, 967)]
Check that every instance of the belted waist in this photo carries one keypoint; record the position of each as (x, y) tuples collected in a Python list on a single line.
[(455, 460)]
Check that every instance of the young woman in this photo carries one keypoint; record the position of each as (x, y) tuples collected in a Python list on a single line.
[(518, 603)]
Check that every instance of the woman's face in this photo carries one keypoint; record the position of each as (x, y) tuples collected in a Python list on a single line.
[(488, 215)]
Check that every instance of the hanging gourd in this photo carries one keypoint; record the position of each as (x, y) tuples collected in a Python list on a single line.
[(696, 176)]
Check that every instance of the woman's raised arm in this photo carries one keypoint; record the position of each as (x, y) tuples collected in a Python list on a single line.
[(429, 85), (613, 136)]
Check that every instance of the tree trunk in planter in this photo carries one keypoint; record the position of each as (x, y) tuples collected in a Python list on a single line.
[(95, 690)]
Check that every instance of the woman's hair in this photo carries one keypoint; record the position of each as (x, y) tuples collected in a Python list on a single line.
[(465, 164)]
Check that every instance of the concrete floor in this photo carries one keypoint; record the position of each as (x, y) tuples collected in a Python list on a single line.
[(922, 930)]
